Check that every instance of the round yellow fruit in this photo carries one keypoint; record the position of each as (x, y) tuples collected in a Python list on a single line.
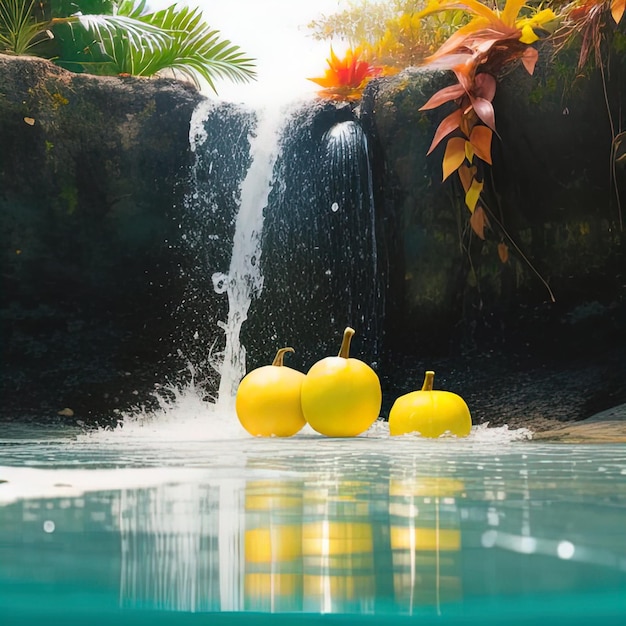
[(430, 413), (268, 400), (341, 396)]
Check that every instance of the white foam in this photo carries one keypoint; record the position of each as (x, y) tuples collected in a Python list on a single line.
[(183, 416)]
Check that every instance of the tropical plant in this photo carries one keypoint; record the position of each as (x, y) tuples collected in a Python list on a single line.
[(586, 21), (477, 53), (361, 23), (128, 41), (591, 25), (346, 78), (390, 34), (19, 31)]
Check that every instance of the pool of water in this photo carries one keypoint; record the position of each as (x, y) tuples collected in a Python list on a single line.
[(154, 524)]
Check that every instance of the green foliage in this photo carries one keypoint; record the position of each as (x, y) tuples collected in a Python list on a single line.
[(19, 31), (47, 9), (391, 33), (122, 39), (194, 48), (362, 22)]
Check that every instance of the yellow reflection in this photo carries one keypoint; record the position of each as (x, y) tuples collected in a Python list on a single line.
[(425, 540), (273, 546), (338, 548), (314, 547)]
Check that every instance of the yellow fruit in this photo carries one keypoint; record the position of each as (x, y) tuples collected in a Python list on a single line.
[(341, 396), (268, 400), (430, 413)]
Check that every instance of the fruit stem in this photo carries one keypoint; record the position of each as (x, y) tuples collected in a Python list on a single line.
[(278, 359), (345, 344), (429, 377)]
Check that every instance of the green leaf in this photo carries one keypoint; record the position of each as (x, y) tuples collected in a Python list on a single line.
[(19, 32), (197, 49)]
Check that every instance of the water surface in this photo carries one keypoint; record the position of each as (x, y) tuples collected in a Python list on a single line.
[(142, 526)]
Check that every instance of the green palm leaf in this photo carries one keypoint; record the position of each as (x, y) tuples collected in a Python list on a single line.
[(197, 49), (18, 30), (131, 42), (125, 40)]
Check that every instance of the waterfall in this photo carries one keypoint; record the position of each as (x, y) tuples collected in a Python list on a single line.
[(284, 227), (244, 280), (319, 245)]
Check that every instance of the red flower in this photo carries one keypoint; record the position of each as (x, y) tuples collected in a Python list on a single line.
[(346, 78)]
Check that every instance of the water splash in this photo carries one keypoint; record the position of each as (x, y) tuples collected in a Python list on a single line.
[(244, 280)]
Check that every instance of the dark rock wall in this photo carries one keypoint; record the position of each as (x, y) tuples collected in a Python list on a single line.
[(552, 196), (107, 252), (452, 303), (92, 182)]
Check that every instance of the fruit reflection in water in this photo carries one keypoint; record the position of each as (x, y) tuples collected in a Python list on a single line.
[(273, 546), (338, 549), (425, 540)]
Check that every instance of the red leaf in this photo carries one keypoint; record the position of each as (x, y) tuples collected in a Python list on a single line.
[(464, 73), (448, 124), (478, 222), (484, 110), (503, 252), (529, 59), (485, 86), (443, 95)]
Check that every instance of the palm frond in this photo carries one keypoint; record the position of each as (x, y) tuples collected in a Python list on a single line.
[(19, 32), (130, 41), (131, 8), (197, 49), (138, 33)]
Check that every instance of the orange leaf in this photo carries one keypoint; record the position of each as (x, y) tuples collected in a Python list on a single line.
[(529, 59), (478, 222), (454, 156), (503, 252), (617, 9), (448, 124), (468, 120), (466, 175), (443, 95), (480, 138)]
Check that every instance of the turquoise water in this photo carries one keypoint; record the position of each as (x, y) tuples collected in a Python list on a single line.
[(138, 528)]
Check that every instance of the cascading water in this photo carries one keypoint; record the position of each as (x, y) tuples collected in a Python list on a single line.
[(244, 280), (319, 243), (303, 261)]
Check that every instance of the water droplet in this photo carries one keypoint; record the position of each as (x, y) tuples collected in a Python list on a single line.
[(489, 538), (334, 207), (48, 526), (220, 282), (565, 550)]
